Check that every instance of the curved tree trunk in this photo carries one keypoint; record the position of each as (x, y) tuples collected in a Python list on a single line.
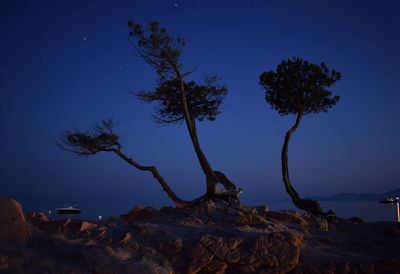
[(212, 179), (171, 194), (306, 204)]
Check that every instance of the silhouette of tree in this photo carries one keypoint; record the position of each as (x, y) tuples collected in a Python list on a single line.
[(102, 138), (299, 87), (178, 101)]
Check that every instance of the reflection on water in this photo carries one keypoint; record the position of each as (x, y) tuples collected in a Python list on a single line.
[(370, 211)]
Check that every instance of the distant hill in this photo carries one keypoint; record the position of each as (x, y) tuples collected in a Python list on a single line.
[(358, 197)]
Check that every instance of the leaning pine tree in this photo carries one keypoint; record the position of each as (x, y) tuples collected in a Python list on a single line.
[(178, 101), (299, 87)]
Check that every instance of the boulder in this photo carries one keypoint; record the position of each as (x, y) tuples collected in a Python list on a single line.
[(55, 226), (79, 228), (290, 216), (139, 213), (13, 227), (318, 223)]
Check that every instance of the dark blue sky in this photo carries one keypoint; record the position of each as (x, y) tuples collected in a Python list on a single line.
[(52, 79)]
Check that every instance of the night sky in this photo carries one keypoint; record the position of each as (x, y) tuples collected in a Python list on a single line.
[(68, 64)]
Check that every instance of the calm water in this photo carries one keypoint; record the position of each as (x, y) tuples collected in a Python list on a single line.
[(370, 211)]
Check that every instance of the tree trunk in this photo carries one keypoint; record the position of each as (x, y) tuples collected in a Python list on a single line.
[(211, 178), (306, 204), (156, 174)]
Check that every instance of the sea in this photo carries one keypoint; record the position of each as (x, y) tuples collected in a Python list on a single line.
[(369, 211)]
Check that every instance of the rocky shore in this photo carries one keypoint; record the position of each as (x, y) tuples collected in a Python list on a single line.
[(213, 237)]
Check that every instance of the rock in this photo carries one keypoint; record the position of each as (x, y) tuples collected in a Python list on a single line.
[(90, 242), (126, 239), (290, 216), (233, 212), (234, 242), (278, 251), (331, 227), (30, 216), (87, 225), (139, 213), (319, 223), (146, 266), (250, 220), (392, 232), (216, 267), (207, 208), (248, 209), (47, 263), (122, 254), (203, 252), (171, 247), (13, 227), (41, 217), (77, 228), (202, 239), (56, 226), (191, 221), (100, 233), (211, 254), (108, 249), (262, 209), (3, 262)]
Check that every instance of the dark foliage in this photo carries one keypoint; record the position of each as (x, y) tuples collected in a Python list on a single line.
[(204, 100), (162, 52), (100, 138), (298, 86), (157, 48)]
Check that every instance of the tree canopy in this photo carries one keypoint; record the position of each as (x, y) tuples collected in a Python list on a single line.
[(157, 48), (174, 95), (298, 86), (99, 138), (203, 100)]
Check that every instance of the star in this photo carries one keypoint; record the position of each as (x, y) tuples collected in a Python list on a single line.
[(84, 38), (176, 5)]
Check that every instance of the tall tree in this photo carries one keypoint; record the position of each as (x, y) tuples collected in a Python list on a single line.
[(299, 87), (178, 100)]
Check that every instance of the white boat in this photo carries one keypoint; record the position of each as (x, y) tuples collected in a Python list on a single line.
[(389, 200), (74, 209)]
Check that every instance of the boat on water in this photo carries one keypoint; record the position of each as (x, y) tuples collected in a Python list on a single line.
[(389, 200), (73, 209)]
